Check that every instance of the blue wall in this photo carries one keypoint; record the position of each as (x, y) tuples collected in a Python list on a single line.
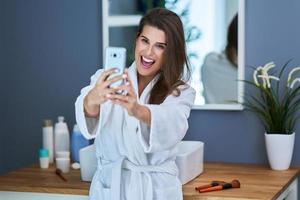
[(50, 49), (272, 34), (1, 82)]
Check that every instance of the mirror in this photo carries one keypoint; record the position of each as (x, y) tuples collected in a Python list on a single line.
[(206, 23), (216, 66)]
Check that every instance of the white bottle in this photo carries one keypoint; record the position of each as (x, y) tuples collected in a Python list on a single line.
[(48, 138), (61, 136)]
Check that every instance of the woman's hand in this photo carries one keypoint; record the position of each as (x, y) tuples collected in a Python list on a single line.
[(129, 101), (99, 94)]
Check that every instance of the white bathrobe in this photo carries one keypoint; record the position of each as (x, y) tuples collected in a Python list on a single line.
[(136, 161), (219, 79)]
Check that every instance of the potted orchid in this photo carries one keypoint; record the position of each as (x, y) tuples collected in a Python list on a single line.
[(276, 104)]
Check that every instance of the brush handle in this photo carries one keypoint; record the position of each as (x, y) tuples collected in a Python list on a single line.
[(203, 186), (59, 173), (215, 188), (62, 177)]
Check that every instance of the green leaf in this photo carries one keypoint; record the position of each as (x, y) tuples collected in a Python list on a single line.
[(280, 75)]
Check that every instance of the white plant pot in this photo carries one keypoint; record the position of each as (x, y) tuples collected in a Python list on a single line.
[(280, 150)]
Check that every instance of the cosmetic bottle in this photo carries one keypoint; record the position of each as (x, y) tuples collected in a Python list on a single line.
[(61, 136), (48, 138)]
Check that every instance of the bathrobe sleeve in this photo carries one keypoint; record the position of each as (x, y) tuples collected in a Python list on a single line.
[(88, 126), (169, 121)]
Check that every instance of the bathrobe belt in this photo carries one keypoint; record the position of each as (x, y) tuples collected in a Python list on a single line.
[(123, 163)]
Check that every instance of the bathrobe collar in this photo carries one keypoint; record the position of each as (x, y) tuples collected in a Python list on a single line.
[(144, 97)]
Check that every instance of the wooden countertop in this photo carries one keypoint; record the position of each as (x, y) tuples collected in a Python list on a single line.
[(257, 181), (35, 179)]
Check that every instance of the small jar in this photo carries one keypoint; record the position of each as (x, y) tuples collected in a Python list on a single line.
[(44, 158)]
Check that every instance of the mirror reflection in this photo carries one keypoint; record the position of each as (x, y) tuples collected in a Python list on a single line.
[(212, 44), (219, 70), (212, 35)]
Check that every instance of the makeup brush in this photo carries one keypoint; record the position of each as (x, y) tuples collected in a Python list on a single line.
[(58, 172), (233, 184), (212, 184)]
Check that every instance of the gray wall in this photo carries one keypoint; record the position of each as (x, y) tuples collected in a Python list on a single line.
[(52, 47)]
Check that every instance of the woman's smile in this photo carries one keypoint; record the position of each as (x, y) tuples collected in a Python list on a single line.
[(146, 62)]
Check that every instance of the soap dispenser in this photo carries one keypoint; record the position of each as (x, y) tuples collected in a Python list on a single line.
[(61, 136)]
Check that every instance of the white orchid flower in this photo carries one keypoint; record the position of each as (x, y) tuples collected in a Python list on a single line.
[(267, 78), (290, 77), (264, 75), (269, 66), (294, 82), (255, 75)]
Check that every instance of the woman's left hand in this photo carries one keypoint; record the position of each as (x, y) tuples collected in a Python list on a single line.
[(128, 101)]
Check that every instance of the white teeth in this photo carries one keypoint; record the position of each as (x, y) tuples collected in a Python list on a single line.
[(147, 60)]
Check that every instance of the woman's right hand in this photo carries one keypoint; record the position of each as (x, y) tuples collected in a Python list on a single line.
[(98, 95)]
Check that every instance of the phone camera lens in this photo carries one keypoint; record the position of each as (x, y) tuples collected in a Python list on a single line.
[(114, 55)]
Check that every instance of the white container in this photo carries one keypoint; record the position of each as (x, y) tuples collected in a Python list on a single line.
[(44, 162), (48, 138), (189, 160), (280, 150), (61, 136), (88, 162), (62, 154), (63, 164), (44, 158)]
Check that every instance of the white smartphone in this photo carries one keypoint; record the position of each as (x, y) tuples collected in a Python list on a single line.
[(115, 57)]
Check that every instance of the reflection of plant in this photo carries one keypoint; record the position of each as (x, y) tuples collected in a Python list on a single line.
[(275, 106), (145, 5), (192, 32)]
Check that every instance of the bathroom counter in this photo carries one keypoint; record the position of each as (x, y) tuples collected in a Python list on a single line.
[(257, 182), (35, 179)]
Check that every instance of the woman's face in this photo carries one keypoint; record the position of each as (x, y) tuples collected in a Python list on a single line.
[(149, 51)]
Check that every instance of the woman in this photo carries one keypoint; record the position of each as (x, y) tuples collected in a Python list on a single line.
[(219, 71), (136, 134)]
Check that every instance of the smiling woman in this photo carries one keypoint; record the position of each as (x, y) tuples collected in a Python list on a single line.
[(161, 43), (137, 132)]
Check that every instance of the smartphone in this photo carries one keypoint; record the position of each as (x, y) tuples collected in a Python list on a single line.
[(115, 57)]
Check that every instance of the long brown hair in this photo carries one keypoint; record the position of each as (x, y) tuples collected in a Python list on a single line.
[(175, 59), (232, 41)]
